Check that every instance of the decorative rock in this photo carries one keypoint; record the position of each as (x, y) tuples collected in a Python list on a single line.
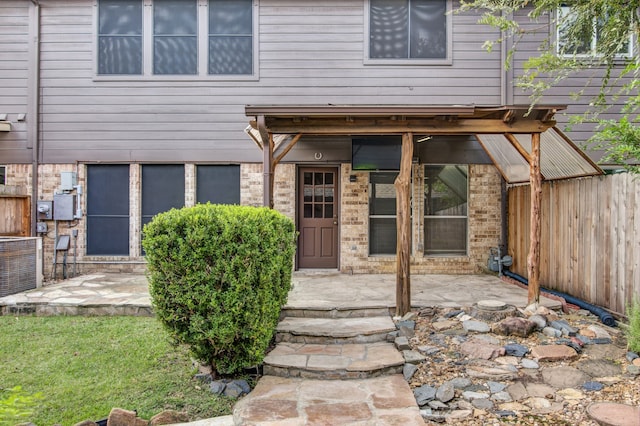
[(564, 327), (409, 316), (464, 317), (437, 405), (514, 326), (551, 332), (406, 331), (487, 338), (408, 370), (538, 403), (413, 357), (456, 415), (476, 326), (507, 360), (204, 378), (168, 417), (460, 382), (501, 397), (482, 403), (553, 353), (570, 394), (586, 332), (584, 339), (470, 396), (539, 321), (492, 373), (529, 363), (631, 356), (505, 413), (633, 370), (564, 377), (243, 385), (601, 340), (402, 343), (491, 305), (515, 349), (600, 333), (453, 313), (217, 387), (495, 387), (540, 390), (391, 336), (444, 325), (599, 367), (424, 394), (593, 386), (233, 390), (121, 417), (517, 391), (480, 350), (609, 414), (445, 392), (514, 406), (636, 362), (429, 350)]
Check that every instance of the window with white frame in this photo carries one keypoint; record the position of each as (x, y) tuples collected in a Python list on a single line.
[(382, 213), (580, 38), (175, 37), (409, 30), (445, 209)]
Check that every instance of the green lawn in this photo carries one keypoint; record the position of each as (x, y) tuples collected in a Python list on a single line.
[(85, 366)]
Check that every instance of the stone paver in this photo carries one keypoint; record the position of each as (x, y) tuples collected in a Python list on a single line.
[(380, 401), (316, 330), (612, 414)]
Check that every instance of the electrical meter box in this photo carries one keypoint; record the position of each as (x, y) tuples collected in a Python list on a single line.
[(64, 206), (68, 180)]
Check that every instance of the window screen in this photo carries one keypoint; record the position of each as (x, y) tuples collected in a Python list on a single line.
[(108, 210), (230, 37), (120, 37), (408, 29), (382, 213), (175, 37), (162, 189), (3, 175), (218, 184), (445, 209)]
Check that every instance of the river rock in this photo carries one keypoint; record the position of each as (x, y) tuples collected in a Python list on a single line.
[(424, 394), (515, 326), (529, 363), (445, 392), (476, 326), (408, 370), (481, 350)]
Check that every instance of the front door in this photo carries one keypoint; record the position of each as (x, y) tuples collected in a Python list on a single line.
[(318, 217)]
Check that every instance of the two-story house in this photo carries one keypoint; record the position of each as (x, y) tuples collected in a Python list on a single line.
[(137, 106)]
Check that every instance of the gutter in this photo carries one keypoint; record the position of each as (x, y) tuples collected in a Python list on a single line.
[(33, 108)]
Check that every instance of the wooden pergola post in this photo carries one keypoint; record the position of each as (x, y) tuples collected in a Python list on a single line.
[(402, 185), (533, 259)]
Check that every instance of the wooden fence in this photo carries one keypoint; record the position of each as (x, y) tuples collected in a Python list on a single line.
[(15, 215), (590, 245)]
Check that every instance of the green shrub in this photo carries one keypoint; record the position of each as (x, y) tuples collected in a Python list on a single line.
[(219, 276), (633, 330)]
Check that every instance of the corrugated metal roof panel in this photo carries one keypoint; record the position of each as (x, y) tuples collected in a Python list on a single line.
[(513, 166)]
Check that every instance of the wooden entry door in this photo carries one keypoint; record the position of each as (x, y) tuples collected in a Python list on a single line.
[(318, 217)]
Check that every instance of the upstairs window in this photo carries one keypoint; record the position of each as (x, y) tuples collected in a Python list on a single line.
[(581, 38), (408, 29), (176, 37), (120, 37)]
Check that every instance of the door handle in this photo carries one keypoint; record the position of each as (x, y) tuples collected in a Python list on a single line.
[(335, 222)]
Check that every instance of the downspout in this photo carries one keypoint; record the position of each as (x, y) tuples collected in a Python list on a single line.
[(33, 108)]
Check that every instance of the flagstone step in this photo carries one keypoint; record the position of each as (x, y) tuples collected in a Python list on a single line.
[(341, 312), (334, 330), (333, 361)]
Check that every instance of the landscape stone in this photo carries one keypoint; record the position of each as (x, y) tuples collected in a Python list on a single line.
[(453, 313), (551, 332), (491, 305), (487, 338), (406, 323), (529, 363), (636, 362), (599, 367), (539, 321), (408, 370), (406, 332), (402, 343), (482, 403), (470, 395), (444, 325), (563, 326), (514, 406), (244, 385), (600, 333), (234, 390), (217, 387), (500, 372), (429, 350), (437, 405), (601, 340), (409, 316), (122, 417), (460, 382), (505, 413), (464, 317), (593, 386), (633, 370), (445, 392), (476, 326), (514, 326), (539, 390), (168, 417), (517, 391), (424, 394), (495, 387), (610, 414), (631, 356), (564, 377), (501, 396), (413, 357), (458, 415), (481, 350), (553, 353), (514, 349), (570, 394), (586, 332), (203, 377), (507, 360), (538, 403)]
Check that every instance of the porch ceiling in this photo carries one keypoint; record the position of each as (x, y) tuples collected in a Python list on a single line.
[(504, 131)]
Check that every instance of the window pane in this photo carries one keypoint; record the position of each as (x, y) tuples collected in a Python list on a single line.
[(307, 210), (218, 184), (230, 37), (328, 211), (382, 194), (428, 29), (230, 55), (389, 29), (328, 178), (573, 37), (175, 41), (445, 235), (120, 37), (445, 190), (317, 211), (382, 235), (318, 178), (175, 55)]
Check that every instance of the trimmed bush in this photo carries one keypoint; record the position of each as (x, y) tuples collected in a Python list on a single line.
[(219, 276)]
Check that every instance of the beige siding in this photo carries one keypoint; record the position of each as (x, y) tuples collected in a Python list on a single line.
[(308, 55)]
